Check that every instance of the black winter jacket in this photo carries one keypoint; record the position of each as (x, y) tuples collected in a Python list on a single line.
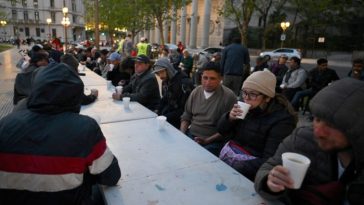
[(259, 133)]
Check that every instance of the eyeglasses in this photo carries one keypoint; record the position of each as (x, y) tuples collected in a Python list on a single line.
[(250, 95)]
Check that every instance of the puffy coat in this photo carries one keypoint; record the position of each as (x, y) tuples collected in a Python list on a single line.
[(49, 153)]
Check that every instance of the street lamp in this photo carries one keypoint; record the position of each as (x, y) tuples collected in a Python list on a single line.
[(49, 21), (3, 24), (284, 26), (65, 22)]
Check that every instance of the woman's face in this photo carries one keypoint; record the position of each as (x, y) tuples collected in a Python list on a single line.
[(254, 98)]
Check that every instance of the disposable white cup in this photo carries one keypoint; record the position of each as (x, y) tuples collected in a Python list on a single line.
[(109, 84), (251, 69), (297, 166), (126, 102), (119, 89), (161, 122), (245, 107)]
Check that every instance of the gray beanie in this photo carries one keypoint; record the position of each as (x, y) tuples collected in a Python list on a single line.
[(263, 82), (70, 60), (341, 104)]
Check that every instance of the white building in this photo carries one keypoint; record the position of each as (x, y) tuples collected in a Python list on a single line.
[(28, 19)]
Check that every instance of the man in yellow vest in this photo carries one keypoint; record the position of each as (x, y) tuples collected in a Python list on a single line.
[(120, 45), (142, 47)]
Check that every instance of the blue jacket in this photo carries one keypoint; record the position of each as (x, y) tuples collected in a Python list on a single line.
[(233, 59)]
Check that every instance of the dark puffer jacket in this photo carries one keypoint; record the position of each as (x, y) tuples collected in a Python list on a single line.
[(49, 153), (259, 133), (341, 105)]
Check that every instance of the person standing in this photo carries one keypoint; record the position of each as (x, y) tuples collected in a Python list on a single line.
[(235, 58), (186, 63), (49, 153)]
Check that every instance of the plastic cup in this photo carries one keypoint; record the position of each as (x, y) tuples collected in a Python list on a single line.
[(297, 166), (245, 107), (161, 122), (119, 89), (126, 102)]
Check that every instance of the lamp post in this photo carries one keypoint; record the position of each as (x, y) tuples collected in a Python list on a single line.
[(284, 26), (49, 21), (3, 23), (65, 22)]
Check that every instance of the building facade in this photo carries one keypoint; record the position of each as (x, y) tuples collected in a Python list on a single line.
[(28, 19)]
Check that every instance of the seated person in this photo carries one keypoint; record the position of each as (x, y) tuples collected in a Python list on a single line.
[(204, 108), (71, 61), (318, 78), (143, 86), (261, 63), (279, 69), (49, 153), (357, 70), (334, 145), (294, 79), (254, 139)]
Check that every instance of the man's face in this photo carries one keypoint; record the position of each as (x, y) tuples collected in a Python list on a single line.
[(162, 74), (328, 137), (210, 80), (357, 67), (323, 66), (140, 67), (293, 64)]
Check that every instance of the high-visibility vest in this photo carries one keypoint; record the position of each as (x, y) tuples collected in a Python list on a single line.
[(120, 47), (142, 48)]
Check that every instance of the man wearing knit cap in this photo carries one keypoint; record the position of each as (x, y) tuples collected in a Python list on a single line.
[(255, 138), (334, 145)]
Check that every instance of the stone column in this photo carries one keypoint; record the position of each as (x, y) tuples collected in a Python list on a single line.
[(173, 25), (206, 24), (183, 23), (165, 31), (193, 32)]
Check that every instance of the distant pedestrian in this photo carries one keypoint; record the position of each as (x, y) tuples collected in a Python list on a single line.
[(235, 58)]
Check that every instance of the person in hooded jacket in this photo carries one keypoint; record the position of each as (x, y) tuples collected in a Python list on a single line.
[(176, 87), (334, 145), (49, 153), (255, 138)]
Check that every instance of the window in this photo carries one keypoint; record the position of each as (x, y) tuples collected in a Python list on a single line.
[(52, 3), (74, 19), (37, 32), (13, 2), (36, 15), (54, 32), (24, 3), (53, 16), (26, 17), (35, 3), (14, 14), (74, 8), (27, 33), (16, 31)]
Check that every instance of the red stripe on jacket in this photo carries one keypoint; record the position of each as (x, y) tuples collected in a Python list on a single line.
[(37, 164)]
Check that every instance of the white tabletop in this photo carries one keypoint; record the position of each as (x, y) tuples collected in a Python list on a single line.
[(104, 93), (90, 77), (114, 111), (164, 167)]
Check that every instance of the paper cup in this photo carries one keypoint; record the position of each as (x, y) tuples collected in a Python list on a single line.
[(161, 122), (297, 165), (245, 107), (109, 85), (119, 89), (126, 102)]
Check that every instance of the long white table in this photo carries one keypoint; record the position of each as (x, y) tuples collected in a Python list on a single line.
[(166, 167), (104, 92), (113, 111), (90, 77)]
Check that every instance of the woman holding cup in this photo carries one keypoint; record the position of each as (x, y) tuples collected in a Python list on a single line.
[(256, 126)]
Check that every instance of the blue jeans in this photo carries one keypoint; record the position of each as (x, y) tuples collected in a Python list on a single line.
[(214, 147), (300, 95)]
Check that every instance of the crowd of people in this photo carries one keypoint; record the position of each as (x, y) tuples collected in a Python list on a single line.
[(199, 96)]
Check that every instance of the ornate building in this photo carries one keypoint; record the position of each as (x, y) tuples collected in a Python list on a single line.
[(43, 19)]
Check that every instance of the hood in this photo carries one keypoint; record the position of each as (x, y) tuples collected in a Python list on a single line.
[(342, 105), (55, 89), (163, 63)]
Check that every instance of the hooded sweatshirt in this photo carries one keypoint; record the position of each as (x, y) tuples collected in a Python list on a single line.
[(49, 153)]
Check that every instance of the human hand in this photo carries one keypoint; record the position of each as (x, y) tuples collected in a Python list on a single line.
[(279, 179), (235, 112), (116, 96), (94, 92), (201, 140)]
